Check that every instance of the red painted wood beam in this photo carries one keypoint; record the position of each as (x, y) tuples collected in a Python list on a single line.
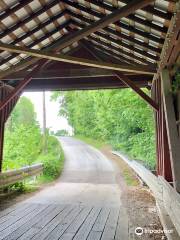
[(136, 89), (22, 84), (1, 139), (8, 102)]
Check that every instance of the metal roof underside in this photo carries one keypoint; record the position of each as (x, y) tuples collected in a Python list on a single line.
[(135, 40)]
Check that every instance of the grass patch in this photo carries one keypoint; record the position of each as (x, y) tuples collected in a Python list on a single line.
[(53, 163), (53, 160), (95, 143), (129, 178)]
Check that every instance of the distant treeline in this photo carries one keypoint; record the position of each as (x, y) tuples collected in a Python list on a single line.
[(118, 117)]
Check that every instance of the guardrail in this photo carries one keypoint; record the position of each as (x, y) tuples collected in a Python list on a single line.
[(167, 199), (14, 176)]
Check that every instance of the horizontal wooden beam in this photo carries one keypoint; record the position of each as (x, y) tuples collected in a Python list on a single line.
[(131, 7), (83, 83), (136, 89), (63, 72), (126, 80), (62, 58), (118, 34), (28, 62), (39, 40), (21, 85)]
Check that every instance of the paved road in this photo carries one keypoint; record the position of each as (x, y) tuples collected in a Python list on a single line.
[(88, 178), (83, 204)]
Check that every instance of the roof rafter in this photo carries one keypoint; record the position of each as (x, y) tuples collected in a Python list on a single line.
[(156, 12), (120, 43), (74, 60), (12, 10), (105, 21), (103, 46), (128, 82), (131, 17), (95, 54), (64, 25), (148, 9), (28, 19), (171, 45), (119, 24), (117, 34)]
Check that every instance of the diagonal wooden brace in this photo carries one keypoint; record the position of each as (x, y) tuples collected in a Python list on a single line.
[(136, 89), (9, 100)]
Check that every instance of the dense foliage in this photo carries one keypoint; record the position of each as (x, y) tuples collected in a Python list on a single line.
[(23, 142), (117, 116)]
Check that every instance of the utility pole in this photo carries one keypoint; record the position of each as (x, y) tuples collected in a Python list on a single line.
[(44, 124)]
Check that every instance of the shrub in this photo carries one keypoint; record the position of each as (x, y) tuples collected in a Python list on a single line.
[(53, 159)]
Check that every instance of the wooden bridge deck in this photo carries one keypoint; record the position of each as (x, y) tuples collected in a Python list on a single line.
[(51, 222)]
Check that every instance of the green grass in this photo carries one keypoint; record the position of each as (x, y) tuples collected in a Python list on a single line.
[(53, 161), (129, 178), (95, 143)]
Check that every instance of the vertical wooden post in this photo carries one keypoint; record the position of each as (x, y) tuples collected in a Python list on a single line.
[(1, 143), (2, 113), (172, 132), (8, 100), (167, 170), (163, 166)]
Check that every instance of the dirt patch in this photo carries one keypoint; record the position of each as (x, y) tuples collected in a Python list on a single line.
[(139, 203), (13, 197)]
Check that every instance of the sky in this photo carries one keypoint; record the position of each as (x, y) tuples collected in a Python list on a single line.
[(54, 122)]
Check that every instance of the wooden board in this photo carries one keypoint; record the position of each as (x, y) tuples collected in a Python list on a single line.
[(63, 222)]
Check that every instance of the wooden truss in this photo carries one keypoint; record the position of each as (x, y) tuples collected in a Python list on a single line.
[(149, 50), (85, 62)]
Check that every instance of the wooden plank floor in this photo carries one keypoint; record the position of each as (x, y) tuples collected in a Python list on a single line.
[(64, 222)]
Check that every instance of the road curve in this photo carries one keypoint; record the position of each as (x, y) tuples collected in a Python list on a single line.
[(88, 178)]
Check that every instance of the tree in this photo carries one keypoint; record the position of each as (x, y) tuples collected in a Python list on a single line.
[(23, 141), (117, 116), (62, 132), (23, 114)]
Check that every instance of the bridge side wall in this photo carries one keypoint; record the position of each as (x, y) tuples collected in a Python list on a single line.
[(163, 166)]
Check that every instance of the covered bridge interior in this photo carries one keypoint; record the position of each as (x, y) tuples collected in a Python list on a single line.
[(95, 44)]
